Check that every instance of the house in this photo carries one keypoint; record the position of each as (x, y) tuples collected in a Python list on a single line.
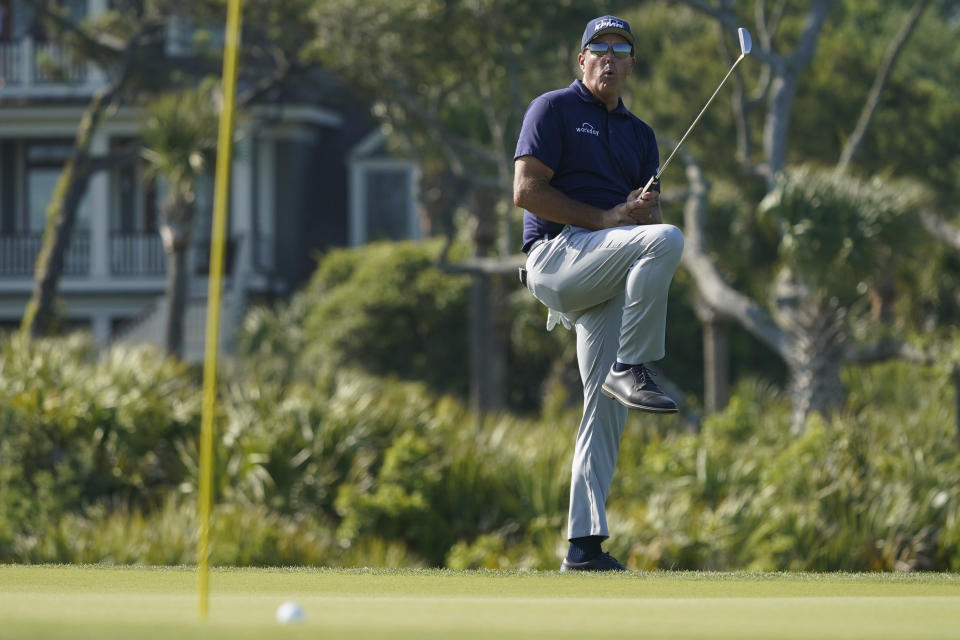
[(309, 172)]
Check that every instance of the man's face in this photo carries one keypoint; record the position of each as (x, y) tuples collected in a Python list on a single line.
[(606, 74)]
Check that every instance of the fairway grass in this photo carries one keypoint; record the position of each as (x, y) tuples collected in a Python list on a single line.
[(138, 602)]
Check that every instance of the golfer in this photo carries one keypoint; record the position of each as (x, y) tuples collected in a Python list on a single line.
[(600, 259)]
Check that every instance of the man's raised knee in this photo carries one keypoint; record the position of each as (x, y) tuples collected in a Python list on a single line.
[(671, 239)]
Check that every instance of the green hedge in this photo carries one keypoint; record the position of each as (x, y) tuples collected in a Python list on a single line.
[(390, 309)]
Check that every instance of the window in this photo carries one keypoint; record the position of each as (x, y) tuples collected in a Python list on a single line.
[(388, 206), (19, 19), (29, 173), (383, 194), (134, 204), (5, 20), (44, 162)]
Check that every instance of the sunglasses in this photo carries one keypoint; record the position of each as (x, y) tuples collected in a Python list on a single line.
[(620, 49)]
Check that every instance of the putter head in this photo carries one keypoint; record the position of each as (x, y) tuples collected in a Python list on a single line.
[(745, 42)]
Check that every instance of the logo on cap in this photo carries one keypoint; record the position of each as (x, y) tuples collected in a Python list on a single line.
[(606, 24)]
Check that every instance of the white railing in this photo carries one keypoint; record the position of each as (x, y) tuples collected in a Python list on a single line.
[(11, 63), (131, 254), (52, 63), (26, 62), (18, 254), (137, 254)]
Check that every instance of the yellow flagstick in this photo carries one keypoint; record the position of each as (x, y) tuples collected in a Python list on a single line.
[(221, 191)]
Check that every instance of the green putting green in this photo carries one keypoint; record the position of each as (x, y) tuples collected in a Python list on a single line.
[(139, 602)]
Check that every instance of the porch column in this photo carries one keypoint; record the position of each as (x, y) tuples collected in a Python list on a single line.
[(98, 204), (100, 328), (266, 203), (241, 225), (241, 200)]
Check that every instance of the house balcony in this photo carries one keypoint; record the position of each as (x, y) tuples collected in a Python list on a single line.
[(30, 68)]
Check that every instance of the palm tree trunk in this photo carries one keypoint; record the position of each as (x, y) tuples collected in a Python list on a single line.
[(815, 359), (815, 386), (176, 301), (716, 357), (487, 342), (176, 232)]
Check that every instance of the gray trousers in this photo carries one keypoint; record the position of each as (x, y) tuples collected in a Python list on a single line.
[(611, 286)]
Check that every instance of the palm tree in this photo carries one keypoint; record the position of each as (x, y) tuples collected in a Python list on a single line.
[(841, 239), (179, 135)]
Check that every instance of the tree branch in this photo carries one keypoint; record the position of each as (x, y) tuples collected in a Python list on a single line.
[(784, 86), (739, 106), (727, 19), (710, 283), (453, 147), (723, 16), (783, 74), (282, 71), (812, 27), (891, 350), (880, 83), (103, 44), (766, 27), (432, 124), (941, 229)]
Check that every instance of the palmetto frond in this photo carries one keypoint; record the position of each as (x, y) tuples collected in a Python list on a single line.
[(180, 134)]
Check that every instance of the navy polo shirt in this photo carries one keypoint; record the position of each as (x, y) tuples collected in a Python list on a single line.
[(598, 156)]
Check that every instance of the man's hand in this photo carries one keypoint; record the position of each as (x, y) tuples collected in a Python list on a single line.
[(635, 211), (649, 211)]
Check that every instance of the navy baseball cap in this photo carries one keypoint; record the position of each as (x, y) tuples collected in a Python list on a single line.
[(606, 24)]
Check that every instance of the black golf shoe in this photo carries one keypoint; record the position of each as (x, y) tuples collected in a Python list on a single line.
[(636, 389), (602, 562)]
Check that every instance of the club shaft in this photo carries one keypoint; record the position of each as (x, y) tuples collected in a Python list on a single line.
[(695, 121)]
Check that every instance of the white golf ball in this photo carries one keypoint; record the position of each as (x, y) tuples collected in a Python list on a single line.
[(290, 613)]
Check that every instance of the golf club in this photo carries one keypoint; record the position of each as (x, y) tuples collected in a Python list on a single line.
[(745, 45)]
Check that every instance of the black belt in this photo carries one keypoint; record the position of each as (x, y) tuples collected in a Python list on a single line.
[(537, 243), (522, 271)]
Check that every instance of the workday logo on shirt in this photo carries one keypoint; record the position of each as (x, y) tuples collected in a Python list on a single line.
[(586, 127)]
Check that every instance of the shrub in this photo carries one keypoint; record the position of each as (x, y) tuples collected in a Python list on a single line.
[(872, 490), (240, 535), (76, 428), (338, 467), (389, 309)]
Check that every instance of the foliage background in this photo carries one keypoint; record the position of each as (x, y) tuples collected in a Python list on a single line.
[(343, 434)]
